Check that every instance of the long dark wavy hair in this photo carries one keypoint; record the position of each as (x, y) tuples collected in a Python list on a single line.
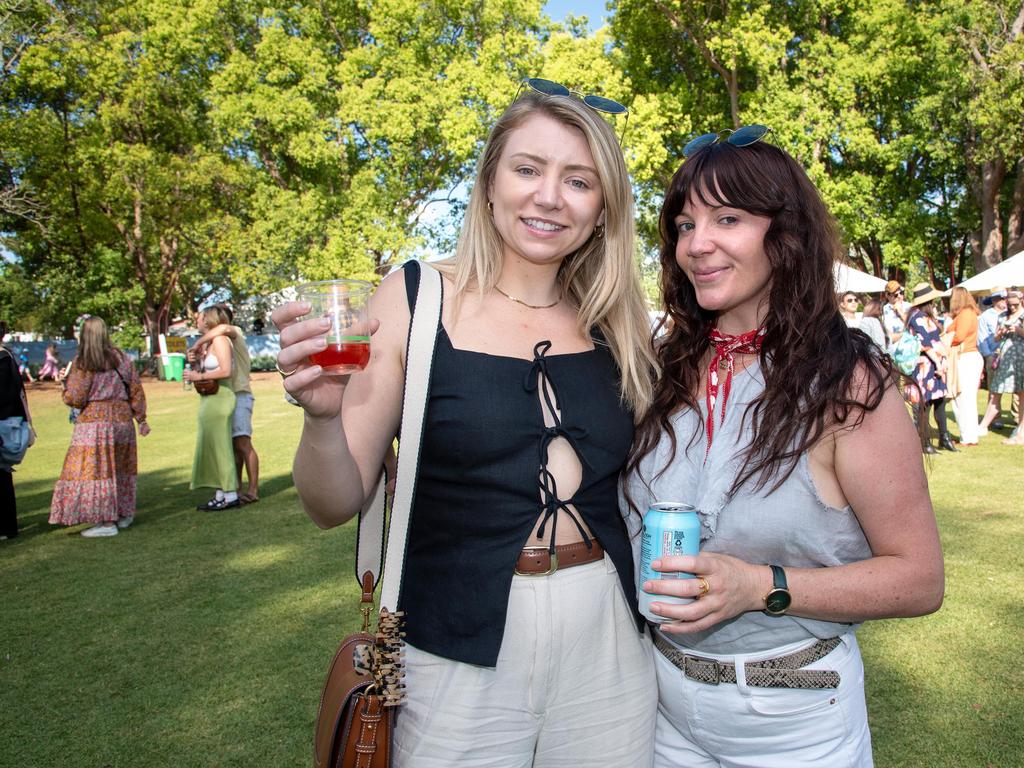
[(817, 371)]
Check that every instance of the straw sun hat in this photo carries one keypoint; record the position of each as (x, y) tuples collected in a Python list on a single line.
[(923, 293)]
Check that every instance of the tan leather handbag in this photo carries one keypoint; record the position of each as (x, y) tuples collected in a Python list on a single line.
[(205, 386)]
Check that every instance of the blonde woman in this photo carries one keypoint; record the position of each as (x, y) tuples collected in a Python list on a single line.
[(964, 331), (214, 463), (97, 482), (541, 366)]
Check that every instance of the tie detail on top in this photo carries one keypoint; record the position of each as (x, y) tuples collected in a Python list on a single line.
[(537, 376)]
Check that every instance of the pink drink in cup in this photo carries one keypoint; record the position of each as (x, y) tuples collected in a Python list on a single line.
[(345, 302)]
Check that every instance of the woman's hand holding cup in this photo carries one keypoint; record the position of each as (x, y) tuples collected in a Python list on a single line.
[(316, 390)]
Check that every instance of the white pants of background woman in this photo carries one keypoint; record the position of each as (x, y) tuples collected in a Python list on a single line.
[(574, 685), (739, 726), (965, 407)]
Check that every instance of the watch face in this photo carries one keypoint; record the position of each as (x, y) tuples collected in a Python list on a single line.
[(778, 601)]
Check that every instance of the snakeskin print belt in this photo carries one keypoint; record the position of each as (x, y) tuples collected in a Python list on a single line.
[(781, 672)]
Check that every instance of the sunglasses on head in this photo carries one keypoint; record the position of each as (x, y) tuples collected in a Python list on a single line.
[(741, 137), (592, 100)]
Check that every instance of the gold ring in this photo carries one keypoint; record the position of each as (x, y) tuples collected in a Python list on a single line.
[(704, 587), (285, 374)]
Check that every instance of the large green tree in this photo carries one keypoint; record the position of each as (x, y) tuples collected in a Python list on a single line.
[(879, 100), (107, 134)]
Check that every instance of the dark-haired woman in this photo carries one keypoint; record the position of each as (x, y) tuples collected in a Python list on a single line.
[(97, 483), (871, 322), (786, 431)]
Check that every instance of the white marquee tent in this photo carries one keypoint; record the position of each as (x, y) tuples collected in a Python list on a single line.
[(1009, 272), (850, 279)]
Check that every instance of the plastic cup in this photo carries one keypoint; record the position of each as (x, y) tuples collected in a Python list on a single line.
[(345, 302)]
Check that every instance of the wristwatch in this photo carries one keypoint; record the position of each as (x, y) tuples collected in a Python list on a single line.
[(777, 601)]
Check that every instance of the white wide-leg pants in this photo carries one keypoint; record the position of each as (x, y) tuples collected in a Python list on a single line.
[(574, 685)]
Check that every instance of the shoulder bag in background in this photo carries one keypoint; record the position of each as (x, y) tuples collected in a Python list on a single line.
[(906, 353), (15, 431), (205, 386), (364, 682)]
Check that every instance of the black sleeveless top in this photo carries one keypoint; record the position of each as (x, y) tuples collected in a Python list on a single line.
[(477, 498)]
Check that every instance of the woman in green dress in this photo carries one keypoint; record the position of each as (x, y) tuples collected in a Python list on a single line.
[(214, 462)]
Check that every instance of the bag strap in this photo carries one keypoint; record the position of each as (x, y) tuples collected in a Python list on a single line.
[(127, 389), (370, 560)]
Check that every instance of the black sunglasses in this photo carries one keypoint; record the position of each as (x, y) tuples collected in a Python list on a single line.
[(551, 88), (741, 137), (592, 100)]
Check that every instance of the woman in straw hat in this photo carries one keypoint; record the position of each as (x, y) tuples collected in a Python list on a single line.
[(930, 373)]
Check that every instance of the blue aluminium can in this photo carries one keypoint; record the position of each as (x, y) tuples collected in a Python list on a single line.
[(670, 528)]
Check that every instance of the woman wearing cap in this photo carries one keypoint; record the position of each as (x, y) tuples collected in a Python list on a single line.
[(931, 370), (964, 334), (1008, 363), (513, 658), (894, 313), (788, 434)]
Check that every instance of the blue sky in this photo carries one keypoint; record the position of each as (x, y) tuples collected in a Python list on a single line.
[(592, 9)]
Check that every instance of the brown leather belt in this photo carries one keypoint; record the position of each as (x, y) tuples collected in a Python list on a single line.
[(780, 672), (538, 561)]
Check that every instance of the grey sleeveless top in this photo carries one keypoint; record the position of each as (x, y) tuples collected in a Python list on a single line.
[(790, 526)]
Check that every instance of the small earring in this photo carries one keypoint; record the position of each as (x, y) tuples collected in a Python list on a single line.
[(490, 207), (599, 231)]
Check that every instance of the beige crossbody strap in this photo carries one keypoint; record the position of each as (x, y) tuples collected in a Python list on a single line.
[(370, 547)]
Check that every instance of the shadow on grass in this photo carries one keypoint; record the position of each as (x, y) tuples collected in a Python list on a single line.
[(159, 493)]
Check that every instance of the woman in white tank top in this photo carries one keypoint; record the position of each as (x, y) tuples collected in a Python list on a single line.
[(786, 430)]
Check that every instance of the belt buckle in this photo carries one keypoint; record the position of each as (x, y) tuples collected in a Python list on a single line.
[(699, 665), (552, 565)]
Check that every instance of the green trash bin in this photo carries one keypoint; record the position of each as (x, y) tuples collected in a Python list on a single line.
[(175, 367)]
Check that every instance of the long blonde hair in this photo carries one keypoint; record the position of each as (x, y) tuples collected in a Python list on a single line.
[(602, 276), (213, 316), (96, 352), (960, 300)]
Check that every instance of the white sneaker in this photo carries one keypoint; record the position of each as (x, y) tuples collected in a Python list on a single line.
[(124, 522), (982, 432), (100, 530)]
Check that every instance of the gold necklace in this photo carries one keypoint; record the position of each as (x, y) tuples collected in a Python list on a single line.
[(531, 306)]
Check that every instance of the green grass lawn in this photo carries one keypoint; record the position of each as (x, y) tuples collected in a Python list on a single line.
[(201, 639)]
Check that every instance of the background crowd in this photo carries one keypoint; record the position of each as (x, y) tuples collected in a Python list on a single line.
[(952, 350), (102, 388)]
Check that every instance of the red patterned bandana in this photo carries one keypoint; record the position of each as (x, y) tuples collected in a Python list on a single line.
[(726, 346)]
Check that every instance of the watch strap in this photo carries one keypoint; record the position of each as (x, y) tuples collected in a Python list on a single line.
[(779, 578)]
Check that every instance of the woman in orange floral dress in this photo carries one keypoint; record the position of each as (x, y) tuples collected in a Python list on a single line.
[(97, 483)]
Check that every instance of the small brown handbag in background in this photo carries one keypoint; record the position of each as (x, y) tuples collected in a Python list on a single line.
[(205, 386)]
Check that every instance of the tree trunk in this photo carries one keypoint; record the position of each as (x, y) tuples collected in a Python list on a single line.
[(991, 252), (1015, 221), (155, 318)]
